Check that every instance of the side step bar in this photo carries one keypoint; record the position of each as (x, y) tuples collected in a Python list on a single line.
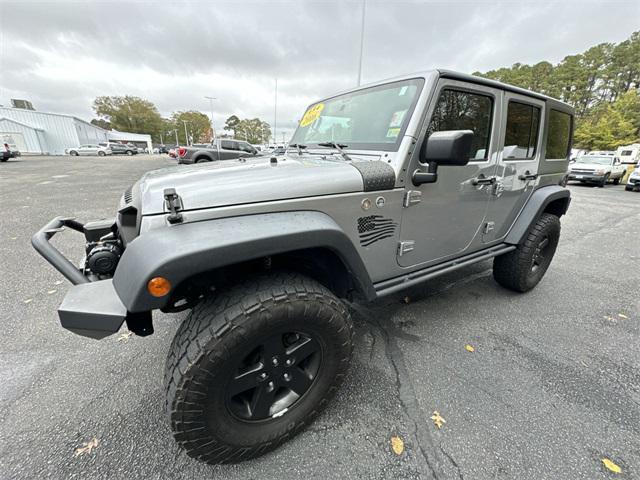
[(396, 284)]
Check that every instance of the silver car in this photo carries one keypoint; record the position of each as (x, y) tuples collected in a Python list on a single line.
[(89, 149)]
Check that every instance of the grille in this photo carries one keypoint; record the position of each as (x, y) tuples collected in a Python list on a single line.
[(374, 228), (582, 170)]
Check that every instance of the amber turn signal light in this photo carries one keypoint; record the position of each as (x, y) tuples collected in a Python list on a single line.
[(159, 286)]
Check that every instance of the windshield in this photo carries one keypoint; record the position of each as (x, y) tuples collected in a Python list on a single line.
[(371, 119), (596, 160)]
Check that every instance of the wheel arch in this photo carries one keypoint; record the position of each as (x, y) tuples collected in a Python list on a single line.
[(307, 242), (550, 199)]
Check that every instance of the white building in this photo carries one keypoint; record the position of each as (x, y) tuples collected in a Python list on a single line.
[(39, 133)]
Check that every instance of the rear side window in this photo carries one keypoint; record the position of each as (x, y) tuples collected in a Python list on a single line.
[(559, 135), (228, 145), (460, 110), (521, 137)]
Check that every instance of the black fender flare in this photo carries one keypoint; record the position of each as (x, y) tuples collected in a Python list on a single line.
[(199, 156), (539, 201), (180, 251)]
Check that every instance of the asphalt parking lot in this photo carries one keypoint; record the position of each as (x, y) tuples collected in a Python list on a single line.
[(552, 387)]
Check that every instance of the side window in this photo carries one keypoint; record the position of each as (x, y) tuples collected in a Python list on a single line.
[(521, 137), (460, 110), (227, 144), (559, 135)]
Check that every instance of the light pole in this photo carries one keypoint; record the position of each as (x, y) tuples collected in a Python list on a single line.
[(176, 132), (213, 132), (364, 9), (275, 114), (186, 135)]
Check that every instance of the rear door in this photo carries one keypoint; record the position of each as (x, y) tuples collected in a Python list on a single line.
[(228, 149), (518, 159)]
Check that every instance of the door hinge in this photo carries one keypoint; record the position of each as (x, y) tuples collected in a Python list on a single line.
[(411, 197), (488, 227), (406, 247), (174, 205)]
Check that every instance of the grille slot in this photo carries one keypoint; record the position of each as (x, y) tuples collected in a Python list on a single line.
[(128, 195)]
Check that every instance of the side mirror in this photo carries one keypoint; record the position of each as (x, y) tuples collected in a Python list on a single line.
[(449, 147)]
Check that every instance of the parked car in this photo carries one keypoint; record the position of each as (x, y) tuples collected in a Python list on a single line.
[(598, 169), (268, 253), (90, 149), (220, 149), (8, 153), (120, 148), (633, 183)]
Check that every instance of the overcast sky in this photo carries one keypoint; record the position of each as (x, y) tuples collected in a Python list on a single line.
[(61, 55)]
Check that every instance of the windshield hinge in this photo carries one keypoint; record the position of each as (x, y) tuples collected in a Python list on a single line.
[(412, 197), (173, 202)]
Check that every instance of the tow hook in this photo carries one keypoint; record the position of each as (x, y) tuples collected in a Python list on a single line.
[(174, 204)]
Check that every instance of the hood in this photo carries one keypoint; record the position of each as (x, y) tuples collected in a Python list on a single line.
[(251, 180), (588, 166)]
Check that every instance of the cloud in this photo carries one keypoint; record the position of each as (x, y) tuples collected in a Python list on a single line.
[(61, 55)]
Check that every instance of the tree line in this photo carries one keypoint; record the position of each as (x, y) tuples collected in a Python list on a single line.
[(602, 85), (137, 115)]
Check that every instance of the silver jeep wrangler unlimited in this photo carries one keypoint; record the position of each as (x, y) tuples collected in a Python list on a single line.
[(382, 187)]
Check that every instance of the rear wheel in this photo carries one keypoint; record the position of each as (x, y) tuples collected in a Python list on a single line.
[(253, 365), (73, 153), (129, 152), (101, 154), (522, 268), (616, 181)]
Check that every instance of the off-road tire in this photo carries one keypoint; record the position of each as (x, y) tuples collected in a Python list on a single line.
[(517, 270), (223, 328)]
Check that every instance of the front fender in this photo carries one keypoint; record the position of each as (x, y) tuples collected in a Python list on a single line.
[(183, 250)]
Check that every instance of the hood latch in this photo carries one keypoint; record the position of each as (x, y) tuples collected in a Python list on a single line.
[(174, 204)]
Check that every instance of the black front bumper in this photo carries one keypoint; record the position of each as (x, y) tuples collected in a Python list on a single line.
[(586, 177), (90, 308)]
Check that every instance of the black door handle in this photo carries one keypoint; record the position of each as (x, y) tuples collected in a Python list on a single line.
[(482, 180), (528, 176)]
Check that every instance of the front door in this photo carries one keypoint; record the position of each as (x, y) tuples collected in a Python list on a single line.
[(518, 159), (442, 219)]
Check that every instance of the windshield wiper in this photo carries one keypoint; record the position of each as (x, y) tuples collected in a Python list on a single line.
[(299, 146), (337, 146)]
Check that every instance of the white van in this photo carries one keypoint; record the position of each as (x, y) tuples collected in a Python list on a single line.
[(629, 154)]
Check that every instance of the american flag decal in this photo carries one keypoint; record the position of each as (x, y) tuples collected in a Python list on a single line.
[(374, 228)]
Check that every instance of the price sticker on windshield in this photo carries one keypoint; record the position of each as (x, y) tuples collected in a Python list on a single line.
[(312, 114)]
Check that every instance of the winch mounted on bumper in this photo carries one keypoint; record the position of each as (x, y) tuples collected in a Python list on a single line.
[(92, 307)]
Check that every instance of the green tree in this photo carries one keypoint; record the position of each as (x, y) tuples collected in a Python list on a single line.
[(197, 123), (607, 129), (253, 130), (231, 124), (102, 123), (129, 114)]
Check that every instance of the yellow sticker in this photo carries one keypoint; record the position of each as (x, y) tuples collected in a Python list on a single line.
[(393, 132), (312, 114)]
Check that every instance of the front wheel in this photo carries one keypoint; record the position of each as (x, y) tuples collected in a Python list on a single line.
[(253, 365), (101, 154), (522, 268), (604, 181), (129, 152)]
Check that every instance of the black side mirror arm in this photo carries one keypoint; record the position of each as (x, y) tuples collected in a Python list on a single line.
[(430, 176)]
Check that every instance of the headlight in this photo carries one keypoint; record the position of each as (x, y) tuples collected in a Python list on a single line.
[(600, 172)]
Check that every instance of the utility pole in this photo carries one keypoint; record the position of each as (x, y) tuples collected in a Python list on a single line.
[(161, 142), (176, 132), (186, 135), (275, 115), (364, 9), (213, 132)]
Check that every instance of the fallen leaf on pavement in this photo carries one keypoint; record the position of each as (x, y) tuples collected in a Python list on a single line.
[(469, 348), (397, 445), (59, 282), (622, 315), (611, 466), (407, 300), (51, 292), (86, 447), (125, 336), (438, 420), (28, 300)]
